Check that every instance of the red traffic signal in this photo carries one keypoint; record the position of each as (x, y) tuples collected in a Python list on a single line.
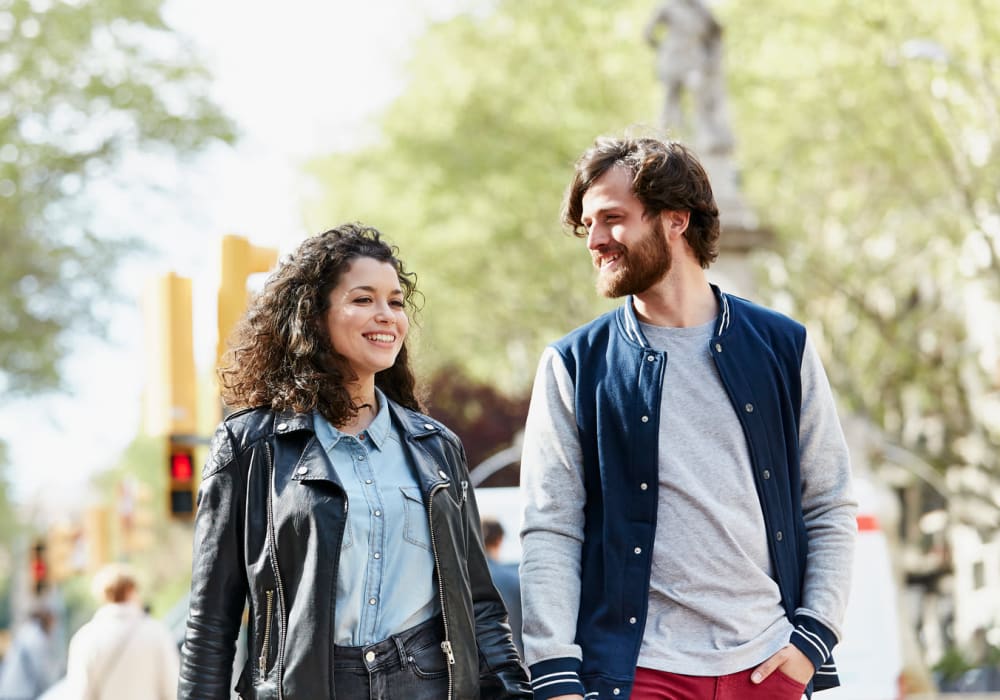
[(181, 486), (181, 466), (39, 568)]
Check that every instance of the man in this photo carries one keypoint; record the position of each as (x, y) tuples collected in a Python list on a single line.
[(689, 524), (505, 577), (122, 653)]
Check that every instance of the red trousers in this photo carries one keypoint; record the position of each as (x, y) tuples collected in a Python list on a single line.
[(660, 685)]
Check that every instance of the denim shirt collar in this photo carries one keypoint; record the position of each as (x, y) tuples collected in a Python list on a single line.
[(377, 431)]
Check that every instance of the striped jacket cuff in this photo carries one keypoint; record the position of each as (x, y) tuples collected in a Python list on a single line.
[(554, 677), (814, 639)]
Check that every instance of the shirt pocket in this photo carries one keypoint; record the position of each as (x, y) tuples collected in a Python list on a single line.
[(416, 529)]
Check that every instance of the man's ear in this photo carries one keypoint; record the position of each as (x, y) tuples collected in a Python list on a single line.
[(675, 223)]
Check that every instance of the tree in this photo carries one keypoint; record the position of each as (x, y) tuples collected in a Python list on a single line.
[(81, 83), (880, 178), (470, 166)]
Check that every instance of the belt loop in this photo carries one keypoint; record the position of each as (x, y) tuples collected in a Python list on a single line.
[(401, 649)]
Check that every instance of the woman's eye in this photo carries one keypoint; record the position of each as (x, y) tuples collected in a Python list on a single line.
[(363, 300), (398, 303)]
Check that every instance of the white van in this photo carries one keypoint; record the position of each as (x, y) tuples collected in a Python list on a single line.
[(870, 659)]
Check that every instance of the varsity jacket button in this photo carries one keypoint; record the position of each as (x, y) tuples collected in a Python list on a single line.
[(632, 620), (637, 550), (749, 408), (645, 419), (616, 691), (644, 486), (718, 347), (778, 536), (767, 474)]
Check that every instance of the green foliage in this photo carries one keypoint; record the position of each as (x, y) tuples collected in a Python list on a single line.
[(952, 665), (469, 171), (81, 83), (870, 142)]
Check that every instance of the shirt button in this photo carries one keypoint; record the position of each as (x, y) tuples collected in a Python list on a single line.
[(778, 536), (302, 470), (645, 419), (282, 427), (767, 474), (370, 656), (378, 513), (429, 426), (616, 691), (361, 458), (644, 486), (368, 481), (377, 555), (749, 408), (650, 358), (361, 436), (442, 474), (637, 550), (371, 601), (632, 620)]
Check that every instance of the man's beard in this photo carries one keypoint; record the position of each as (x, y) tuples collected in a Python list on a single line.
[(639, 267)]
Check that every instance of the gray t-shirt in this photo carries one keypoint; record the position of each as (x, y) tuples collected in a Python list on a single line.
[(713, 607)]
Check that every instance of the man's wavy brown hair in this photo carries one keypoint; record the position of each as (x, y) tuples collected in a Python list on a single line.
[(280, 353), (666, 176)]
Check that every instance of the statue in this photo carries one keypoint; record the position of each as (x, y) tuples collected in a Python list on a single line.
[(690, 58), (689, 63)]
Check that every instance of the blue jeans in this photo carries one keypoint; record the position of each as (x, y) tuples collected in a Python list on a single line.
[(406, 666)]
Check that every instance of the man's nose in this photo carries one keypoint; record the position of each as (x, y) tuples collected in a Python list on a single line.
[(597, 237)]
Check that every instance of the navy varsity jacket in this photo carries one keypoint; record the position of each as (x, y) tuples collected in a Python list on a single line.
[(618, 380)]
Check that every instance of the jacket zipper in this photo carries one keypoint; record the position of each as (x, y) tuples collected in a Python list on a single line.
[(446, 644), (262, 666), (274, 567)]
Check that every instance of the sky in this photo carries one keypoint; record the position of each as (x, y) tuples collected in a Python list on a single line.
[(299, 83)]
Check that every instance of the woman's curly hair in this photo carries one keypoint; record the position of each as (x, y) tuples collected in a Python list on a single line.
[(280, 353)]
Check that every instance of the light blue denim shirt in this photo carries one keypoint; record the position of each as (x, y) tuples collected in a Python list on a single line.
[(385, 581)]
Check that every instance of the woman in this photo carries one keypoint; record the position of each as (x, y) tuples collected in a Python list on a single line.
[(338, 512)]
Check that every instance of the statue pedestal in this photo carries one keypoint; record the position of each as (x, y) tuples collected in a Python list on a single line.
[(742, 233)]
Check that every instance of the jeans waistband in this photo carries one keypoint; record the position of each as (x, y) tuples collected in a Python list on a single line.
[(391, 649)]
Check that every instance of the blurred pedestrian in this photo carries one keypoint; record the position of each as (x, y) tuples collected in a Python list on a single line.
[(684, 469), (504, 575), (341, 514), (30, 665), (121, 653)]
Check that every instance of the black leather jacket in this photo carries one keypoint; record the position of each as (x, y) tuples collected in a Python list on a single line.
[(271, 518)]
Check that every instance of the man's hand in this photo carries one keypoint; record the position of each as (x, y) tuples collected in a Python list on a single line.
[(792, 662)]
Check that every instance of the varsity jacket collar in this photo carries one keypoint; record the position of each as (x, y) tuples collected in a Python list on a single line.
[(628, 321)]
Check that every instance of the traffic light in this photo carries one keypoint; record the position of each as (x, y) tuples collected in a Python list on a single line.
[(181, 484), (171, 384), (63, 550), (240, 259), (39, 568)]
